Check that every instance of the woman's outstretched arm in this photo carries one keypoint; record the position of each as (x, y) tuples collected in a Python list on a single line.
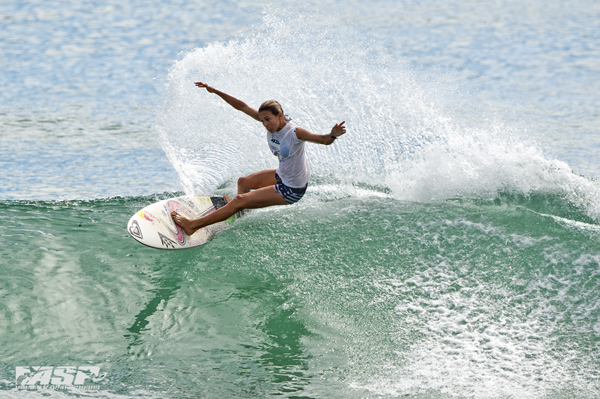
[(234, 102)]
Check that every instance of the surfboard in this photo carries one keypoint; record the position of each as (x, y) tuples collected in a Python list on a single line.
[(154, 227)]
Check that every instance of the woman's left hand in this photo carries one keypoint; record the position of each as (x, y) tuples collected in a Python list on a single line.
[(338, 129)]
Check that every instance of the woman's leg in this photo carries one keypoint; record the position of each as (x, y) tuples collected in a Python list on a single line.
[(259, 198), (256, 180)]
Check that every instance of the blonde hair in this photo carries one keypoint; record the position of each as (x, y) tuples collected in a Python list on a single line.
[(271, 105)]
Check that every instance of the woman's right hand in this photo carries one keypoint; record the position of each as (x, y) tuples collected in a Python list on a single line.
[(210, 89)]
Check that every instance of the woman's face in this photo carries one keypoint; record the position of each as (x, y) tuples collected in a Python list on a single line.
[(270, 121)]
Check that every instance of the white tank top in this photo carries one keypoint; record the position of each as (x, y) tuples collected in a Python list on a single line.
[(293, 163)]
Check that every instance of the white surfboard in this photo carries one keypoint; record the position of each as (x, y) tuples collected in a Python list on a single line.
[(154, 227)]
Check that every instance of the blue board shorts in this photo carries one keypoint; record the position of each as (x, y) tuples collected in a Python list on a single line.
[(291, 195)]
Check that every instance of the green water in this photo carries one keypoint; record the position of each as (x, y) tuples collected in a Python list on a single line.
[(357, 297)]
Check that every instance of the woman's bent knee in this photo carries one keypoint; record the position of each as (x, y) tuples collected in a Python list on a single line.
[(241, 185)]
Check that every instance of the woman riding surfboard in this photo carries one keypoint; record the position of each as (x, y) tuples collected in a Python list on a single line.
[(282, 186)]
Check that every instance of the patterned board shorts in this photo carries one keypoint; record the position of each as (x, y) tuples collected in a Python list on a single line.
[(291, 195)]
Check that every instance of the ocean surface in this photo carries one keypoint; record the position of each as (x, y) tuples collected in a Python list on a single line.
[(448, 245)]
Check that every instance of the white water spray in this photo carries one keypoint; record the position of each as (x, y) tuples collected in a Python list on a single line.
[(403, 136)]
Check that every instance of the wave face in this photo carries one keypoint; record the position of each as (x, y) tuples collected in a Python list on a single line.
[(362, 296)]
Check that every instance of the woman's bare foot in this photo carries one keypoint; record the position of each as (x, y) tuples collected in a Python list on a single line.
[(184, 223)]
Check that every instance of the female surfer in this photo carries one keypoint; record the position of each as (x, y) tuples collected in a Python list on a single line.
[(282, 186)]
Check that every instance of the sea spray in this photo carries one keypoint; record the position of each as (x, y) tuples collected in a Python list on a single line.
[(405, 135), (321, 76)]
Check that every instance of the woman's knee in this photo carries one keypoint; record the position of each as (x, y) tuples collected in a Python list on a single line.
[(244, 184)]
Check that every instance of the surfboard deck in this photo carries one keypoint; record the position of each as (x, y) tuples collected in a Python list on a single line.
[(154, 227)]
